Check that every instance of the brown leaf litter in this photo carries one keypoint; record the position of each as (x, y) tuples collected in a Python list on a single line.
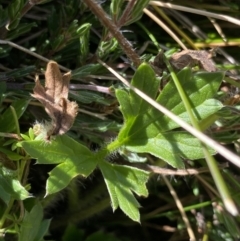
[(190, 58), (54, 97), (193, 57)]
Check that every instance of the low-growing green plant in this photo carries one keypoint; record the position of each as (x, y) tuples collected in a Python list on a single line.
[(145, 130), (120, 148)]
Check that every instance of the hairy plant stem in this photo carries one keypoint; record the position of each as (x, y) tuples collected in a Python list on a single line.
[(114, 30)]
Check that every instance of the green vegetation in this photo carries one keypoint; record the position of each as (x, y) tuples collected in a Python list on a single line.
[(145, 149)]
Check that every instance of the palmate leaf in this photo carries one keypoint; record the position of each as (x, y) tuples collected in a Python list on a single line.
[(72, 158), (75, 159), (121, 182), (147, 130)]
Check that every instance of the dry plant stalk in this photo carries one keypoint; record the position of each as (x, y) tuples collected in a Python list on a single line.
[(54, 97)]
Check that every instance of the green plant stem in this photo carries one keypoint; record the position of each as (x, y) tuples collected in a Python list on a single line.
[(110, 148), (219, 182), (114, 30), (20, 174), (10, 135), (154, 215), (15, 120), (207, 122), (113, 146), (11, 202), (150, 35), (8, 209)]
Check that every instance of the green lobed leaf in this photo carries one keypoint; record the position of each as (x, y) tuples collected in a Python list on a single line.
[(5, 196), (91, 123), (10, 154), (31, 135), (33, 227), (132, 105), (201, 112), (18, 191), (7, 122), (12, 187), (131, 156), (199, 87), (146, 129), (43, 229), (73, 159), (121, 182), (173, 146)]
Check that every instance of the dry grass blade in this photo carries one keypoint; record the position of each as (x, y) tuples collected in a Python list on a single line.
[(197, 11), (30, 52), (181, 209), (165, 27)]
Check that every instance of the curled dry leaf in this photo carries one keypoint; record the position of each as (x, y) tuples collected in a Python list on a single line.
[(193, 57), (185, 58), (54, 97)]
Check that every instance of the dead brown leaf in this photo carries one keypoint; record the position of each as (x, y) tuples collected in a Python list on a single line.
[(54, 97), (191, 58), (185, 58)]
